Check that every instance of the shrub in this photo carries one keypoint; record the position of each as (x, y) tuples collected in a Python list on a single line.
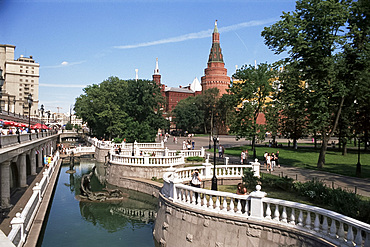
[(249, 180), (195, 159)]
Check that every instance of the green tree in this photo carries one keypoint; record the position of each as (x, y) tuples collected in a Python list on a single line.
[(188, 116), (118, 108), (250, 96), (292, 98), (208, 105), (313, 35)]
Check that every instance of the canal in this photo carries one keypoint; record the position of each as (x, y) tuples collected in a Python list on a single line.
[(70, 222)]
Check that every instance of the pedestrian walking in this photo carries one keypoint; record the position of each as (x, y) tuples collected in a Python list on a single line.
[(242, 157)]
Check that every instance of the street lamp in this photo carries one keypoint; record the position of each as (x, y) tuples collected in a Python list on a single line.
[(14, 101), (214, 178), (2, 80), (30, 101), (358, 166), (42, 115)]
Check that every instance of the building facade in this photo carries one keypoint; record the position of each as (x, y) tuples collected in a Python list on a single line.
[(21, 79)]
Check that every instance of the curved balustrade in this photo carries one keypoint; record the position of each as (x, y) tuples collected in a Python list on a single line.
[(334, 227), (328, 224), (146, 160), (23, 221)]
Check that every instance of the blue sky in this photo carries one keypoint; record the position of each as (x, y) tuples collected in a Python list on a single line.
[(80, 42)]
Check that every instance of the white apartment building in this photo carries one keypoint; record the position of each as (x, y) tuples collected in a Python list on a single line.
[(21, 79)]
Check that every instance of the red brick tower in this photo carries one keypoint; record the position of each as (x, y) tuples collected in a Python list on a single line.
[(215, 73)]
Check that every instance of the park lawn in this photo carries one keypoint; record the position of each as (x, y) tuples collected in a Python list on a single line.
[(307, 158)]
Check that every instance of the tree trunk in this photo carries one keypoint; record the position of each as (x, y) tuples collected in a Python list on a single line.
[(315, 139), (295, 145), (326, 138), (344, 148), (324, 145)]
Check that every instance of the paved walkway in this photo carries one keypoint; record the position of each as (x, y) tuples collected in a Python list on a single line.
[(359, 185)]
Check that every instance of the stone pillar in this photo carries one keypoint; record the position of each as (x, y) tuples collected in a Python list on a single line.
[(5, 184), (22, 167), (39, 158), (256, 203), (33, 161)]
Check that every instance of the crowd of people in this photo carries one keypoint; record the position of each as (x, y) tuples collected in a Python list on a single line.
[(188, 144)]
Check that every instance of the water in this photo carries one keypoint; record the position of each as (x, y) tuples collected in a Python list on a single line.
[(73, 223)]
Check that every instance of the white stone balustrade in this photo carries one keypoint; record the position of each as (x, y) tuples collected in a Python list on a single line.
[(23, 221), (147, 160), (334, 227)]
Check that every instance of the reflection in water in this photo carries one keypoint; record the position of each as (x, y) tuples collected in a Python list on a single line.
[(78, 223)]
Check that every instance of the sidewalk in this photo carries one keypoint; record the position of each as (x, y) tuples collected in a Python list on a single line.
[(360, 185)]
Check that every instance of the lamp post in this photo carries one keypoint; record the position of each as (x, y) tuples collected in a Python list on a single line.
[(214, 178), (30, 101), (42, 115), (358, 165), (133, 150), (2, 80), (14, 101)]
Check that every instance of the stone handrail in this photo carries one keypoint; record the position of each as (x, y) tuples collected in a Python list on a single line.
[(22, 222), (325, 223), (77, 150), (10, 140), (146, 160), (334, 227)]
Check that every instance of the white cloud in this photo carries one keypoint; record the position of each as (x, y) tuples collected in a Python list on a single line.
[(63, 64), (197, 35)]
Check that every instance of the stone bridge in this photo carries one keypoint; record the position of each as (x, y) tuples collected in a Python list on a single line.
[(22, 156)]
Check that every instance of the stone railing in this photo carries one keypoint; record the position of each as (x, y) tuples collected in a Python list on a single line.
[(10, 140), (324, 224), (22, 222), (146, 160), (77, 150)]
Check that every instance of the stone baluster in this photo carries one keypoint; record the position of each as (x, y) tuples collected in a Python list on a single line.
[(232, 206), (292, 217), (205, 201), (341, 231), (193, 198), (276, 213), (300, 218), (187, 192), (316, 224), (358, 239), (350, 235), (325, 225), (284, 216), (224, 205), (217, 206), (308, 220), (246, 208), (268, 212), (333, 229), (210, 202)]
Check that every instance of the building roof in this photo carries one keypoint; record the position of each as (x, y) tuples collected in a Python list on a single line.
[(178, 90), (195, 86)]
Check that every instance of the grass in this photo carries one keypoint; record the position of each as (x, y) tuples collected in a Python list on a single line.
[(307, 158)]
